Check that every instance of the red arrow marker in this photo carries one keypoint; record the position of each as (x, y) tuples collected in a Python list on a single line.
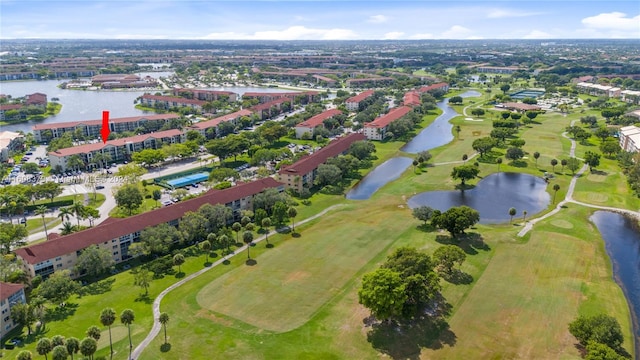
[(105, 126)]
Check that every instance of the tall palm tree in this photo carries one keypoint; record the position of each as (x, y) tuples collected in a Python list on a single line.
[(164, 319), (126, 317), (107, 317), (556, 187), (78, 211), (44, 347), (88, 347), (67, 228), (206, 247), (42, 210), (73, 346), (266, 224), (247, 237), (292, 212)]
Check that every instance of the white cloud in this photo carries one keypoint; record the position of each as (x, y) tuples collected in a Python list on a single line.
[(537, 34), (421, 36), (291, 33), (456, 32), (508, 13), (613, 21), (378, 19), (393, 35)]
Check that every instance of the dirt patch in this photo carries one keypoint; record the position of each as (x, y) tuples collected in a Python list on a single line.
[(596, 177), (296, 277), (209, 315), (597, 197)]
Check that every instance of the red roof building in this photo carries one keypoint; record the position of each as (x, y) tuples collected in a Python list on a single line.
[(167, 102), (116, 235), (411, 98), (263, 97), (376, 129), (302, 173), (36, 99), (265, 110), (204, 126), (10, 295), (207, 95), (311, 123), (353, 103), (118, 149), (521, 107), (91, 128), (439, 86)]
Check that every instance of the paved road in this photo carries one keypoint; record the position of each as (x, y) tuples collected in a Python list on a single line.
[(569, 196), (156, 302)]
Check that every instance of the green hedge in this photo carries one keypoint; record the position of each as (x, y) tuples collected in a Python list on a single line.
[(49, 205)]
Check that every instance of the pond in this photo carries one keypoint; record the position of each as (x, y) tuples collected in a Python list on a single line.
[(622, 242), (385, 172), (492, 197), (436, 134), (439, 132)]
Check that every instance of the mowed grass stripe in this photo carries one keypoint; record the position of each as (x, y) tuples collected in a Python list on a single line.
[(291, 282)]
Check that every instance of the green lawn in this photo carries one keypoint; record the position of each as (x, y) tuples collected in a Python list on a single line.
[(35, 225), (299, 300)]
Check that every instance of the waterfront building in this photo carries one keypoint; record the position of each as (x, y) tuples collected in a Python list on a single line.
[(311, 123), (377, 129)]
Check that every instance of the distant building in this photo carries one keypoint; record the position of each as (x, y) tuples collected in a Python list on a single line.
[(439, 86), (10, 296), (302, 173), (520, 107), (264, 97), (630, 138), (377, 129), (370, 82), (91, 128), (209, 128), (498, 69), (10, 142), (311, 123), (411, 98), (8, 107), (36, 99), (206, 95), (631, 96), (117, 235), (168, 102), (118, 149), (598, 90), (272, 108), (353, 103)]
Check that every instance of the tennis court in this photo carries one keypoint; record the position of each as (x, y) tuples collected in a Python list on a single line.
[(188, 180), (526, 94)]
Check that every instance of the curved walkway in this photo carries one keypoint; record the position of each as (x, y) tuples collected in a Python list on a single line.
[(155, 330), (569, 196)]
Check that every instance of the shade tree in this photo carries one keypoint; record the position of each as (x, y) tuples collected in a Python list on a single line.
[(456, 220)]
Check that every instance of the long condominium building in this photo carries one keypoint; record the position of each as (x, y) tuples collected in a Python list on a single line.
[(116, 235), (302, 173), (206, 95), (630, 138), (311, 123), (209, 128), (10, 296), (168, 102), (377, 129), (353, 103), (263, 97), (117, 150), (91, 128)]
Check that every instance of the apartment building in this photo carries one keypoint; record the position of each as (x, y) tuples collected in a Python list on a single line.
[(629, 137), (411, 98), (10, 296), (302, 173), (353, 103), (598, 90), (206, 95), (168, 102), (264, 97), (311, 123), (209, 128), (631, 96), (117, 150), (117, 235), (9, 142), (91, 128), (376, 129), (439, 86), (272, 108)]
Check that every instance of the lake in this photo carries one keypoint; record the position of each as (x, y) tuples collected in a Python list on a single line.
[(622, 242), (492, 197), (382, 174), (88, 105)]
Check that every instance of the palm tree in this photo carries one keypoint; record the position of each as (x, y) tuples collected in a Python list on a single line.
[(107, 317), (44, 347), (237, 227), (59, 353), (65, 213), (564, 163), (57, 340), (556, 187), (512, 213), (94, 332), (292, 212), (554, 162), (66, 229), (415, 163), (224, 240), (126, 317), (24, 355), (499, 162), (524, 215), (247, 237), (536, 155), (464, 157), (164, 319), (73, 346), (206, 247), (266, 224), (178, 260), (42, 210), (88, 347), (75, 162), (78, 211)]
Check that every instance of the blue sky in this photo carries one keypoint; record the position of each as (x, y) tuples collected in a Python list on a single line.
[(319, 20)]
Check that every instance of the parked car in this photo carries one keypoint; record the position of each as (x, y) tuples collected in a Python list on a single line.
[(99, 187)]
